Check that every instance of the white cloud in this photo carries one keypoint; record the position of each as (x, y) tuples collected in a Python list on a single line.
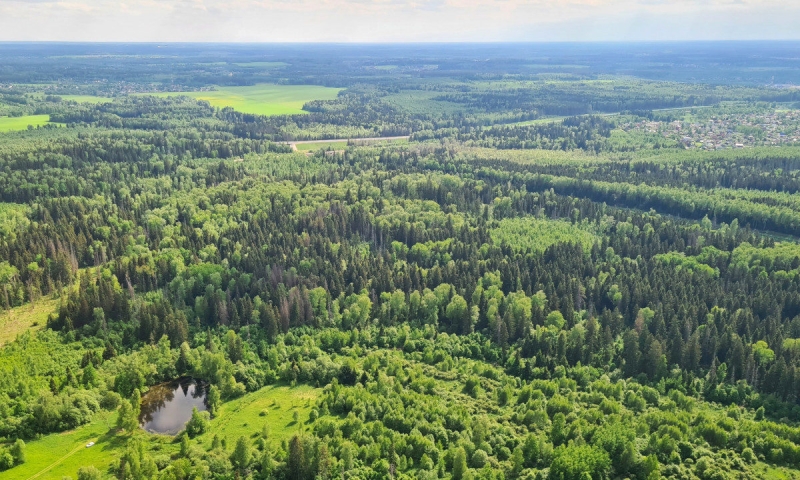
[(397, 20)]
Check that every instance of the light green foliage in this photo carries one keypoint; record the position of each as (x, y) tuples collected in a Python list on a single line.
[(782, 259), (89, 473), (241, 456), (198, 424), (616, 307), (679, 260), (555, 319), (127, 419), (764, 355), (213, 399), (13, 219), (574, 463), (459, 464), (136, 463), (535, 235), (611, 438)]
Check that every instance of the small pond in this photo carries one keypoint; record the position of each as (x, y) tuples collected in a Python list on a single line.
[(167, 407)]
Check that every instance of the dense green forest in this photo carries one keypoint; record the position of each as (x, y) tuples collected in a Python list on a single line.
[(545, 282)]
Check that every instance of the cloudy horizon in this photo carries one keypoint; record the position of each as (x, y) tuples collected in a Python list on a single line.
[(367, 21)]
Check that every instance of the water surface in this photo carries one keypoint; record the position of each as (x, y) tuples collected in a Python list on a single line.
[(168, 406)]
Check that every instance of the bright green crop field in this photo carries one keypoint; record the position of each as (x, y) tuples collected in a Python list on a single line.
[(10, 124), (263, 99)]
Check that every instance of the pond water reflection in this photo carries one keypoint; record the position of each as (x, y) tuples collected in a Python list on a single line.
[(167, 407)]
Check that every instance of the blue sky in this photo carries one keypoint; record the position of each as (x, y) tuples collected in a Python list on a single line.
[(398, 20)]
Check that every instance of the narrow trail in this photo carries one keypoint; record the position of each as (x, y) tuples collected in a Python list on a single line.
[(55, 464)]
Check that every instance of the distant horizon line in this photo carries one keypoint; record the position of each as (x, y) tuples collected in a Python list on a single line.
[(389, 43)]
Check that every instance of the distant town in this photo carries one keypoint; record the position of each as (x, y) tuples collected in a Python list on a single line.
[(724, 131)]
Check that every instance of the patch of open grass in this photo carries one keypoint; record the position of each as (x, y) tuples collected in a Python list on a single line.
[(20, 319), (9, 124), (273, 405), (419, 102), (538, 121), (312, 147), (770, 472), (263, 99), (62, 454)]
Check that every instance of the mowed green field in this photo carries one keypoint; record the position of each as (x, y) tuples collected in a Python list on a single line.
[(263, 99), (10, 124), (62, 454)]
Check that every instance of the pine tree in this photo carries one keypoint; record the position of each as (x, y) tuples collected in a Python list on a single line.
[(127, 419), (242, 455), (295, 461), (459, 464)]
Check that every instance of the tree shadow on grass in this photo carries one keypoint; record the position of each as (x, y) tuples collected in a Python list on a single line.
[(112, 440)]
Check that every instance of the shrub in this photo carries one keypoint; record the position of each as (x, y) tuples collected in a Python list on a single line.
[(479, 459), (575, 462), (198, 424), (749, 456)]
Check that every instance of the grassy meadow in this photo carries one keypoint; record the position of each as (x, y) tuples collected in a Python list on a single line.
[(419, 102), (312, 147), (10, 124), (20, 319), (62, 454), (273, 405), (263, 99)]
